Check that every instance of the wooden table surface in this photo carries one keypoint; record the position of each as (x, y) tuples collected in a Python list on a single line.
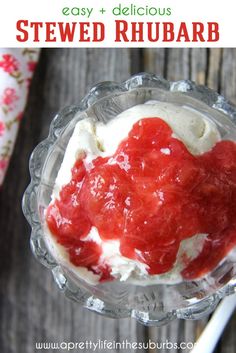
[(32, 309)]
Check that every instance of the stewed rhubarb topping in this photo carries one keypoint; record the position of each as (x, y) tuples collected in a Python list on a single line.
[(150, 195)]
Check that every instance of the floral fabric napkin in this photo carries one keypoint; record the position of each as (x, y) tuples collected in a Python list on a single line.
[(16, 70)]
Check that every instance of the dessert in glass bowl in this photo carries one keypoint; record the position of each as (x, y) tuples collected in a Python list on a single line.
[(131, 199)]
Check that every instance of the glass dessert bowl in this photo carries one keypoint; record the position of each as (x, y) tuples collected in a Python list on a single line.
[(152, 303)]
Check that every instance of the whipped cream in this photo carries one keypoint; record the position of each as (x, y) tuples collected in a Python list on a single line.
[(194, 129)]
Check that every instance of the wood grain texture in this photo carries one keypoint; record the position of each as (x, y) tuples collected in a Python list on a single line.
[(31, 307)]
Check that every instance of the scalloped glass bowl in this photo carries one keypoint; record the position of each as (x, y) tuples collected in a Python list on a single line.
[(150, 305)]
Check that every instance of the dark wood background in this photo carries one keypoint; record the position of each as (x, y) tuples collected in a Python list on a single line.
[(31, 307)]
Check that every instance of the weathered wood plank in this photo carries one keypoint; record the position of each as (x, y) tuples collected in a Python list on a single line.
[(227, 343), (214, 73), (198, 65), (32, 308), (178, 64), (155, 61), (228, 74)]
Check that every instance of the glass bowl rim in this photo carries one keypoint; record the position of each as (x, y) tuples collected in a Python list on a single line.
[(37, 159)]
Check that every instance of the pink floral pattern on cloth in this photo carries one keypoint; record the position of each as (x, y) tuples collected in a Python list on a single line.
[(16, 69)]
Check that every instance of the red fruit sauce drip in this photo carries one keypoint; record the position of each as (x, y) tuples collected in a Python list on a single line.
[(150, 195)]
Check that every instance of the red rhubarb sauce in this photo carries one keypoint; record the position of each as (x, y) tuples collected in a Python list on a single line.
[(150, 195)]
